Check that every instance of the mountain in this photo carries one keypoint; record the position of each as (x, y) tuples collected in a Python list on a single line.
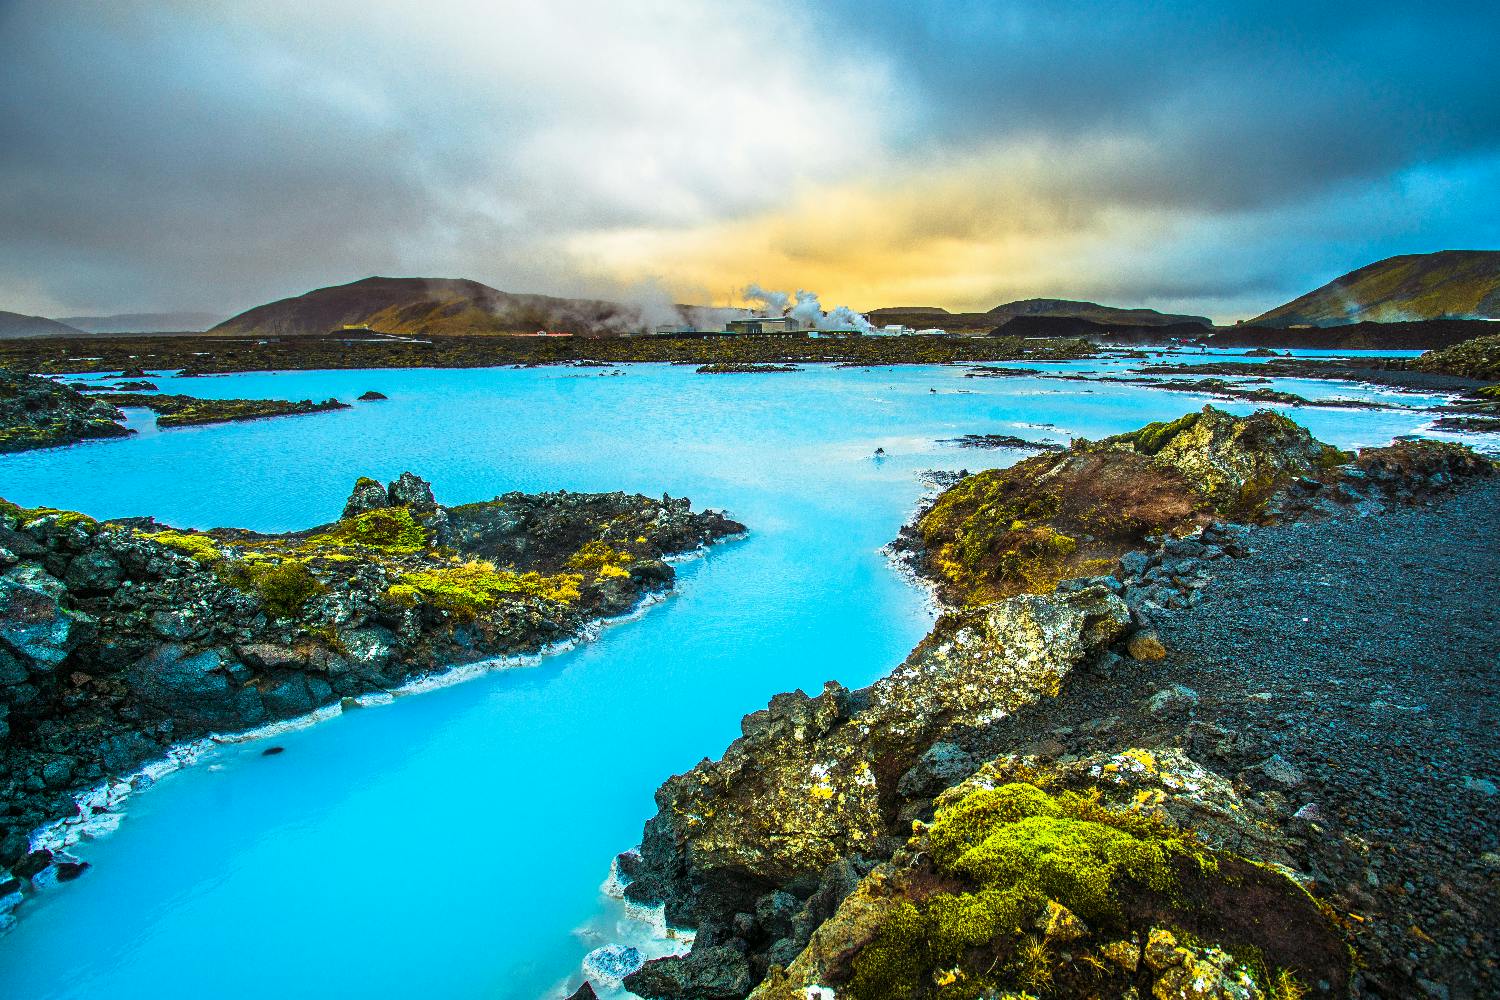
[(18, 325), (1449, 284), (175, 322), (428, 306), (1092, 312)]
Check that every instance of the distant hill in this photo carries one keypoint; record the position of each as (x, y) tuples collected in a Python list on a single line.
[(1093, 312), (177, 322), (1411, 335), (1112, 333), (1449, 284), (1416, 335), (428, 306), (18, 325)]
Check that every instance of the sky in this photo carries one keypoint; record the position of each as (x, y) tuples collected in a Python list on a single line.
[(1215, 159)]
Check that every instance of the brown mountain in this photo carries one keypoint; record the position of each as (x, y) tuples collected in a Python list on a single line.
[(20, 325), (428, 306), (1449, 284)]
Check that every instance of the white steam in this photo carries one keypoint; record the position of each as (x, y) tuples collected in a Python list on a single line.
[(806, 308)]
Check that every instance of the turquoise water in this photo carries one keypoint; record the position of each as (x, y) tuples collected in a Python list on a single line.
[(452, 844)]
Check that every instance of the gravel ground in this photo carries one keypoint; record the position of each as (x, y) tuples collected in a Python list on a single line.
[(1345, 674)]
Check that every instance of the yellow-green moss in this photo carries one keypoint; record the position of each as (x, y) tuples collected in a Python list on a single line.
[(1018, 846), (390, 529), (65, 518), (470, 588), (1153, 437), (602, 559), (201, 547)]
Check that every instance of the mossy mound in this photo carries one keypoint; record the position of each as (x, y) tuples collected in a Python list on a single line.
[(1478, 358), (1022, 888), (394, 530), (1235, 463), (469, 589), (1053, 517), (1022, 529)]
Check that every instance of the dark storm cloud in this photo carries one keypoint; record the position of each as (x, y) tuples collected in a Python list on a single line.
[(1232, 104)]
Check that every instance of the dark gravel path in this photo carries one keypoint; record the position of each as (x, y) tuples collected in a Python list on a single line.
[(1360, 656)]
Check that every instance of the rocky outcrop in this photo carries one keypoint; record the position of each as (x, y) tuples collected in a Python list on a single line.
[(120, 639), (1236, 463), (40, 413), (815, 782), (1075, 879), (191, 411), (1070, 515)]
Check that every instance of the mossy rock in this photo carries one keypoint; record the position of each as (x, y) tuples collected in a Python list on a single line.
[(1003, 871), (1051, 517)]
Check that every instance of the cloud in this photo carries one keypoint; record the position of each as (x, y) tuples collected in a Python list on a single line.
[(1215, 158), (229, 153)]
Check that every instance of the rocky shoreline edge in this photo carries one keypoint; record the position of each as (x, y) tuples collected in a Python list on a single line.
[(939, 835), (129, 650)]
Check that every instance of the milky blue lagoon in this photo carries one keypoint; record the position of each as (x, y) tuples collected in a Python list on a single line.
[(452, 844)]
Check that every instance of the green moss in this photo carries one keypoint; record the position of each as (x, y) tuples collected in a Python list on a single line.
[(390, 529), (1332, 457), (469, 589), (1152, 438), (1017, 847), (201, 547), (64, 518), (1075, 862), (284, 587)]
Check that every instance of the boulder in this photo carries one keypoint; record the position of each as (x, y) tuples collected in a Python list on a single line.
[(368, 495), (939, 767), (371, 647), (1146, 646), (1238, 462), (195, 686), (410, 490), (712, 973), (12, 670), (95, 571), (612, 963), (32, 619), (295, 694), (1173, 700)]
